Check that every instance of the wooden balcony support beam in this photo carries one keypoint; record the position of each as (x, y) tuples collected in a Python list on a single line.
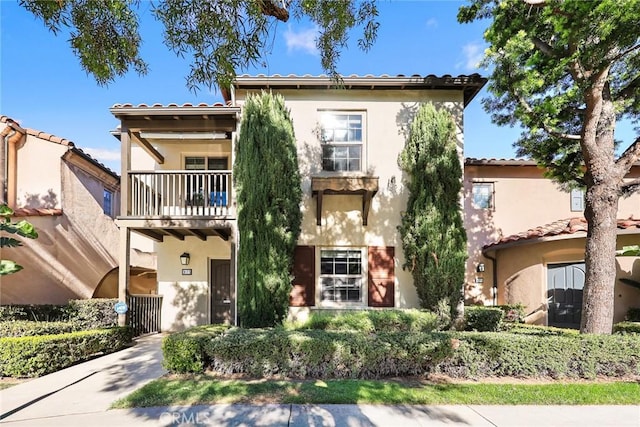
[(135, 137), (175, 233)]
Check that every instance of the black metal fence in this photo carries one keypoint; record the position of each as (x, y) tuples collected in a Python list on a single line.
[(144, 313)]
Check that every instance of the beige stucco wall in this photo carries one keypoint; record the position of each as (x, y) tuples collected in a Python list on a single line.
[(522, 274), (38, 174), (387, 116), (186, 298), (523, 199), (74, 251)]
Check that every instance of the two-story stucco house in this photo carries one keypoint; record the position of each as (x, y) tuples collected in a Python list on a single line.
[(177, 189), (526, 241), (72, 200)]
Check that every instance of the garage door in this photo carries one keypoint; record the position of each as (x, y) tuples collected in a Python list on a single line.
[(565, 283)]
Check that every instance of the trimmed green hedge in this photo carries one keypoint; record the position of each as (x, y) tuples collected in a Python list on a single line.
[(528, 329), (35, 313), (88, 313), (22, 328), (39, 355), (93, 313), (571, 356), (627, 328), (370, 321), (306, 354), (483, 319), (352, 354)]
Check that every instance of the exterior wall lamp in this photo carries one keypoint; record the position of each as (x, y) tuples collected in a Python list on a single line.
[(479, 268), (185, 258)]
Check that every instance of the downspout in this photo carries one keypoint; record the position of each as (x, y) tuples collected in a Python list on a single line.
[(12, 134), (5, 163), (494, 275)]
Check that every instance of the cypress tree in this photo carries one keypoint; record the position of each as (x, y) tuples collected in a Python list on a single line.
[(267, 181), (432, 232)]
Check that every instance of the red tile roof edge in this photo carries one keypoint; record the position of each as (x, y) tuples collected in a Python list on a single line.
[(565, 226), (173, 105), (36, 212), (62, 141)]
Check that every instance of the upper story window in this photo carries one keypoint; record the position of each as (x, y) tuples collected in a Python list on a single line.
[(577, 200), (341, 275), (482, 195), (342, 141), (107, 202)]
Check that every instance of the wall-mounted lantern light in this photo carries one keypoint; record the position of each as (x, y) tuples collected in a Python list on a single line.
[(184, 258), (480, 268)]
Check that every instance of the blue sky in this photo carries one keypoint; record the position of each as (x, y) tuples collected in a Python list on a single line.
[(43, 86)]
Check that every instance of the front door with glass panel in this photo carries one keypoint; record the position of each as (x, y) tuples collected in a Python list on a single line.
[(565, 283)]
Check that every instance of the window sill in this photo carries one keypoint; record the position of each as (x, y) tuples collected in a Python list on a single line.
[(365, 186)]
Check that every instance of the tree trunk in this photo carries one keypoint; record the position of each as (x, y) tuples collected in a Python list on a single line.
[(598, 299)]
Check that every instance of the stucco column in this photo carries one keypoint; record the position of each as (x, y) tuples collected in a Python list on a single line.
[(124, 269)]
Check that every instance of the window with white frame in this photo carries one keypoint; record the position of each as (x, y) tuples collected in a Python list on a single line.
[(482, 195), (577, 200), (214, 188), (342, 141), (342, 275), (107, 202)]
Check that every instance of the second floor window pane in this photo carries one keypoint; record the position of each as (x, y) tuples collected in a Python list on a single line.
[(341, 137)]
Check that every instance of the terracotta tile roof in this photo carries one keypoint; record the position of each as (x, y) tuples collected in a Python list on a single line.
[(470, 84), (40, 134), (37, 212), (172, 105), (566, 226), (62, 141), (473, 161)]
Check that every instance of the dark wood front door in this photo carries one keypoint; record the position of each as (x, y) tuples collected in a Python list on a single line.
[(221, 291)]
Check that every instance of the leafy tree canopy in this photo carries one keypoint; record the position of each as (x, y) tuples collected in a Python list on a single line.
[(546, 57), (221, 37), (568, 70)]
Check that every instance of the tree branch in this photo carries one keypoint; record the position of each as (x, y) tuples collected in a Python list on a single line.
[(624, 53), (270, 8), (524, 104), (629, 157), (544, 47), (629, 90)]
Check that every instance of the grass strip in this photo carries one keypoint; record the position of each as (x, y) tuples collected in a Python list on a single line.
[(204, 390)]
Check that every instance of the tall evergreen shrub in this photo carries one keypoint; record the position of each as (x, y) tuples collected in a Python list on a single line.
[(433, 236), (268, 189)]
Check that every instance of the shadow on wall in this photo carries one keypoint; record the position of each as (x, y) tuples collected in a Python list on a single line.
[(41, 201), (190, 302)]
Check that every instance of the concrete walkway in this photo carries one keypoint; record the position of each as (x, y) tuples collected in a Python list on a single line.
[(81, 395)]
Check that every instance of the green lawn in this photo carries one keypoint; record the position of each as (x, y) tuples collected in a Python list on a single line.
[(205, 390)]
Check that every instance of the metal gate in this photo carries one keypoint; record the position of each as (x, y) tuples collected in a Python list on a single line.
[(144, 313)]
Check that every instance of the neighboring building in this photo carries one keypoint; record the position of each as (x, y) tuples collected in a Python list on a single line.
[(72, 200), (536, 234), (178, 190)]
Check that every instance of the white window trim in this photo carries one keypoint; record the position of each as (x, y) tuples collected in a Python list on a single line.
[(364, 253), (364, 142), (572, 194), (492, 202)]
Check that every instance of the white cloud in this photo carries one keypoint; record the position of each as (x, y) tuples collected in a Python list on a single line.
[(304, 40), (103, 155), (472, 53), (432, 23)]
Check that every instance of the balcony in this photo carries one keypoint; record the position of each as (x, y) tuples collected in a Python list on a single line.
[(180, 194)]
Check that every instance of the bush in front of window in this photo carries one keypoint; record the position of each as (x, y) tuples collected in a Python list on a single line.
[(371, 321)]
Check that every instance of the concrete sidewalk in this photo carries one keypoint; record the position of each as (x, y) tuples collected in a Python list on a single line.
[(81, 395)]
